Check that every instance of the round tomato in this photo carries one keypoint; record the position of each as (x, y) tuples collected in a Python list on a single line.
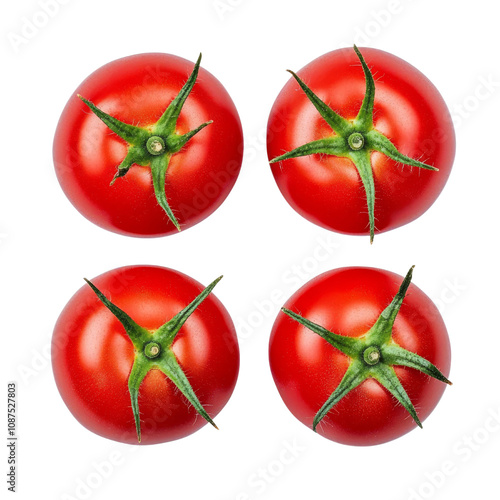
[(141, 351), (359, 156), (354, 358), (163, 132)]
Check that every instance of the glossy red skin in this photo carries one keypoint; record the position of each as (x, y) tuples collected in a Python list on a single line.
[(307, 369), (408, 109), (92, 355), (137, 90)]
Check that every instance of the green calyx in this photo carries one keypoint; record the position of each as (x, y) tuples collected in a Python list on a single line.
[(153, 351), (153, 147), (373, 355), (354, 139)]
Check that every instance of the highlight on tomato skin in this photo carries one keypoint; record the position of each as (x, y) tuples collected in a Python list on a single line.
[(145, 355), (148, 145), (360, 142), (360, 355)]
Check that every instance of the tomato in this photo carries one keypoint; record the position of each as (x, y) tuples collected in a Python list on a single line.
[(163, 132), (351, 373), (343, 147), (140, 353)]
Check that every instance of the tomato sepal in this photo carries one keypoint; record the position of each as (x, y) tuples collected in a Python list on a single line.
[(348, 345), (381, 332), (136, 333), (387, 377), (165, 126), (135, 136), (336, 146), (364, 119), (354, 376), (362, 162), (379, 142), (395, 355), (339, 124), (169, 365), (159, 167), (140, 369)]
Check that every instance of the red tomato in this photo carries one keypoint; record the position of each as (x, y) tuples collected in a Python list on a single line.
[(407, 109), (92, 355), (307, 369), (137, 90)]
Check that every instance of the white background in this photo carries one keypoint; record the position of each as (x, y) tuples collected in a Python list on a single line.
[(260, 245)]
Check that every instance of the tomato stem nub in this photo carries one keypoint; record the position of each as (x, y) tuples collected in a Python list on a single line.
[(373, 355), (155, 145), (153, 351), (356, 141), (351, 137)]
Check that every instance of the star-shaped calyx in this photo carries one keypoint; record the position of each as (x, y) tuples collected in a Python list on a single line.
[(373, 355), (153, 351), (354, 139), (153, 147)]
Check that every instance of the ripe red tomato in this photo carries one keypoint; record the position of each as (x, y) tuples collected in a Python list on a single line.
[(369, 407), (353, 180), (99, 364), (168, 185)]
